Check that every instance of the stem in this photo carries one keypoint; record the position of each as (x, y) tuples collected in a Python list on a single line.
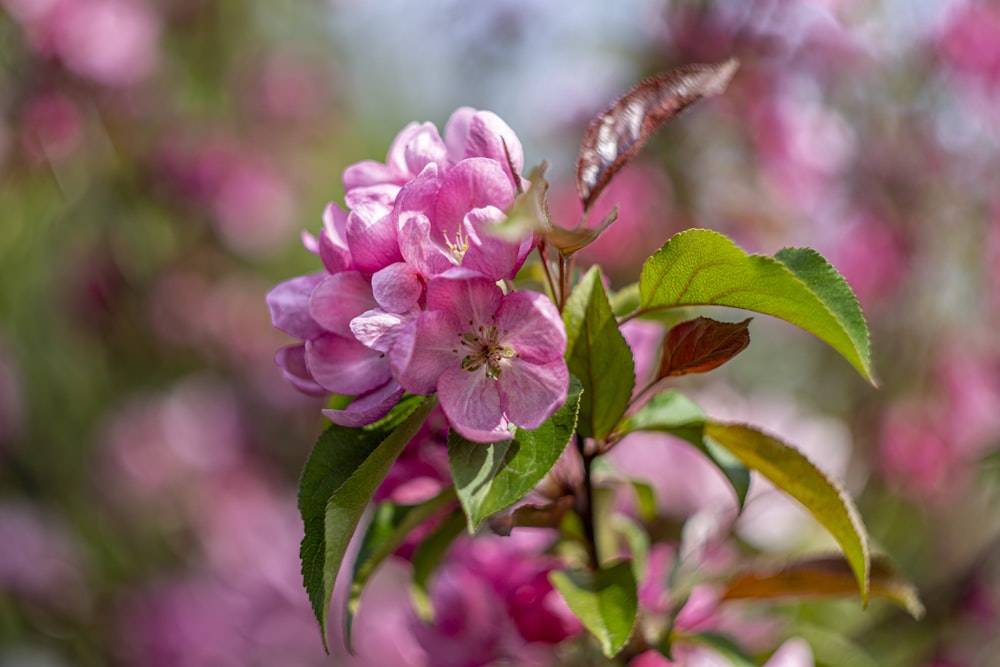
[(585, 505), (548, 275)]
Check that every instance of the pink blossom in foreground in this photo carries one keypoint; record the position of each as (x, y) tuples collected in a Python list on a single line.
[(494, 359)]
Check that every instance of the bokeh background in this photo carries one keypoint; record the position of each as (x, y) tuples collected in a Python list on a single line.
[(158, 161)]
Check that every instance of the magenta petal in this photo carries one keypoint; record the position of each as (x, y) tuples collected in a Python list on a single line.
[(292, 362), (471, 402), (424, 349), (368, 408), (532, 326), (333, 248), (379, 329), (470, 184), (345, 366), (498, 434), (489, 254), (289, 306), (397, 287), (472, 298), (456, 133), (417, 247), (372, 237), (488, 134), (531, 393), (339, 299)]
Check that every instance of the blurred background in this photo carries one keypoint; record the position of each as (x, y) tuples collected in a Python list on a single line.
[(159, 159)]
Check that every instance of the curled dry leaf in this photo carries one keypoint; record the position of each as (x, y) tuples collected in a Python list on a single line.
[(701, 344), (616, 135)]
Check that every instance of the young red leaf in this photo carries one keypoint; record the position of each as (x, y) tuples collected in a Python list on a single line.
[(701, 344), (616, 135)]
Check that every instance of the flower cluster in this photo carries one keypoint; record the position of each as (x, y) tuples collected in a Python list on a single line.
[(409, 300)]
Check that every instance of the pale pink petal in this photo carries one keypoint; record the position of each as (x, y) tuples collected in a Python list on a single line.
[(395, 159), (793, 653), (531, 393), (289, 306), (367, 173), (424, 147), (456, 133), (397, 287), (345, 366), (498, 434), (471, 402), (339, 299), (424, 349), (292, 362), (379, 329), (368, 408), (472, 298), (372, 237), (530, 323)]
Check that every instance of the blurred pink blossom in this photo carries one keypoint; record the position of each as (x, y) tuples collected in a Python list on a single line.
[(112, 42), (40, 558), (646, 219), (969, 40), (52, 127)]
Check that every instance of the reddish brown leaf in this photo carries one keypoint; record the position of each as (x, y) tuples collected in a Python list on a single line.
[(615, 136), (549, 515), (701, 344), (823, 577)]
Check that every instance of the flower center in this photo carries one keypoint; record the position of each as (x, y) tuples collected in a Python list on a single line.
[(484, 348), (456, 250)]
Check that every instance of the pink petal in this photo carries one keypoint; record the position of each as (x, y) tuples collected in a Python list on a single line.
[(372, 237), (456, 133), (397, 287), (289, 306), (424, 147), (339, 299), (531, 325), (292, 362), (472, 404), (470, 184), (368, 408), (368, 172), (333, 248), (345, 366), (424, 349), (378, 329), (471, 298), (531, 393), (489, 254), (488, 134), (417, 247)]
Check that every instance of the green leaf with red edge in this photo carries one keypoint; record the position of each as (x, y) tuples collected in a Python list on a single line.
[(597, 354), (701, 344), (699, 267), (789, 470), (825, 577), (340, 477), (606, 601)]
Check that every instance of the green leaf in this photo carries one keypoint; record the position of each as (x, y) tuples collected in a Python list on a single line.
[(596, 353), (722, 644), (699, 267), (606, 601), (793, 473), (674, 413), (491, 477), (388, 530), (826, 577), (428, 554), (338, 481)]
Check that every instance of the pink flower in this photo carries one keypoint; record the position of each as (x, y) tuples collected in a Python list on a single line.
[(494, 359)]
